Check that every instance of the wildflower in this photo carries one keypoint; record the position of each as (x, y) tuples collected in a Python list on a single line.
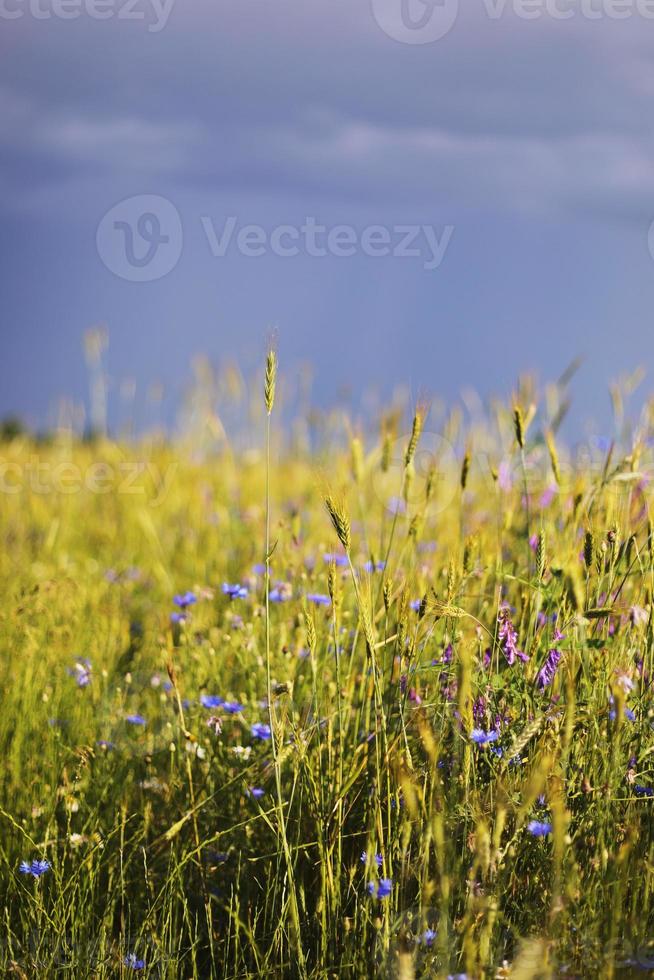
[(539, 828), (185, 599), (547, 496), (643, 791), (35, 868), (260, 730), (480, 737), (177, 617), (81, 671), (318, 599), (133, 962), (638, 615), (546, 674), (211, 701), (396, 505), (215, 723), (232, 707), (281, 593), (625, 681), (509, 638), (337, 558), (378, 858), (256, 792), (415, 604), (428, 937), (136, 720), (104, 744), (234, 591), (380, 889), (375, 566), (628, 713)]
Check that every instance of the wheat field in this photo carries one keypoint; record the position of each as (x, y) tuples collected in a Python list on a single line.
[(366, 697)]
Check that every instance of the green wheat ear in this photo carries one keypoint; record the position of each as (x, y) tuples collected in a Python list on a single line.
[(519, 426), (271, 379), (340, 521)]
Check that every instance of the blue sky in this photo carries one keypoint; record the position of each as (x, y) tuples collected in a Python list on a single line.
[(524, 146)]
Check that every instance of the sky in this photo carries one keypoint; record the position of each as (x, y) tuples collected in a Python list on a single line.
[(412, 192)]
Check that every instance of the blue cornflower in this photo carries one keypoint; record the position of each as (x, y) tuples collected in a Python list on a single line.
[(81, 671), (256, 792), (136, 720), (375, 566), (643, 790), (628, 713), (104, 744), (211, 701), (232, 707), (480, 737), (339, 560), (428, 937), (279, 594), (318, 599), (235, 591), (178, 617), (378, 858), (538, 828), (260, 730), (185, 599), (380, 889), (35, 868), (133, 962), (415, 604)]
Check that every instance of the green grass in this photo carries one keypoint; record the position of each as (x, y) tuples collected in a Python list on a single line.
[(158, 848)]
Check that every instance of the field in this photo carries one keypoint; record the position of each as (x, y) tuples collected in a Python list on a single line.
[(366, 698)]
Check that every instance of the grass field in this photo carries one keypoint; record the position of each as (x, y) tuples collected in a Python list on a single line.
[(377, 707)]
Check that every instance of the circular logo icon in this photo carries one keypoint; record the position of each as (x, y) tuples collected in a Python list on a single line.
[(416, 21), (140, 238)]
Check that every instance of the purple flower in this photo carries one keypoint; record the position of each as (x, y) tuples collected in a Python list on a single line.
[(133, 962), (185, 599), (34, 868), (281, 593), (256, 792), (234, 591), (538, 828), (81, 671), (545, 675), (643, 791), (318, 599), (380, 889), (396, 505), (211, 701), (428, 937), (378, 858), (136, 720), (232, 707), (260, 730), (339, 560), (377, 566), (547, 496), (509, 638), (178, 617), (480, 737)]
